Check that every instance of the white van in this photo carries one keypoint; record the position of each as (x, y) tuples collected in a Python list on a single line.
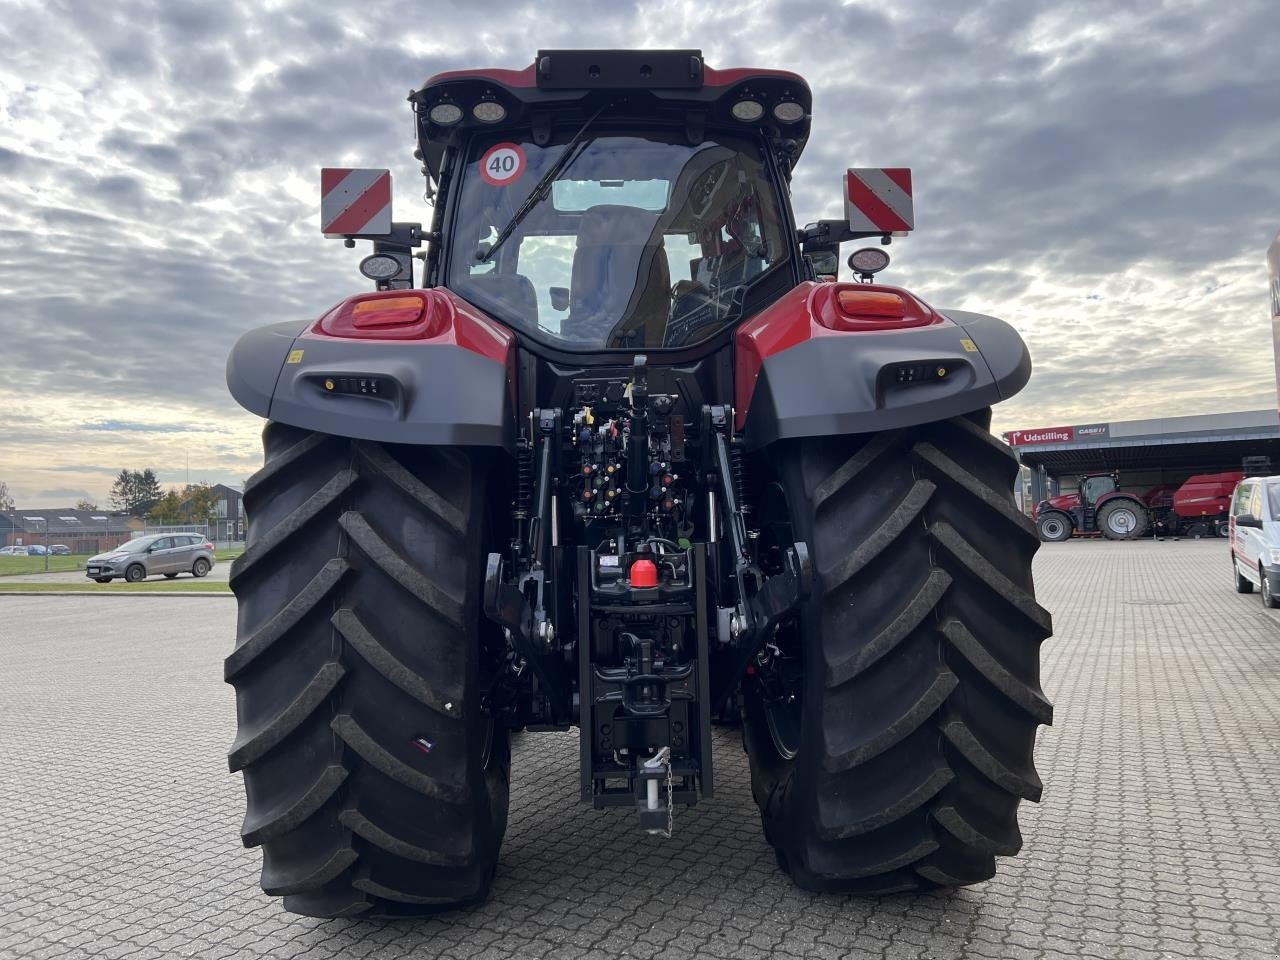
[(1255, 537)]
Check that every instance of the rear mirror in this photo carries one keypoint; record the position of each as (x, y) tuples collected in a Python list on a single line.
[(825, 262), (559, 298)]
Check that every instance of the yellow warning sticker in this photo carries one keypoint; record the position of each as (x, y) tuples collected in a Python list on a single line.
[(295, 356), (969, 347)]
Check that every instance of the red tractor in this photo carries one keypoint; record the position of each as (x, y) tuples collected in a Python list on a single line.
[(1196, 508), (628, 454), (1097, 505)]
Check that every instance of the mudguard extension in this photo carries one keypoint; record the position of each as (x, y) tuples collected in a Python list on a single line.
[(428, 393), (845, 384)]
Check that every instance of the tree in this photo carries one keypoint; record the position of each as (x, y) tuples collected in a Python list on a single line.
[(6, 501), (149, 492), (136, 491), (166, 509), (124, 495), (199, 502), (84, 503)]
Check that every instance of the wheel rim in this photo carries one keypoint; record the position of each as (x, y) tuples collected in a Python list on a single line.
[(1122, 521), (1052, 528), (780, 666)]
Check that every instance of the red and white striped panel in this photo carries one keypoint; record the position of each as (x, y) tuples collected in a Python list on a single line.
[(354, 201), (879, 199)]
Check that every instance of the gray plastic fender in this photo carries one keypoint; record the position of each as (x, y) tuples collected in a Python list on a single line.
[(428, 393), (846, 384)]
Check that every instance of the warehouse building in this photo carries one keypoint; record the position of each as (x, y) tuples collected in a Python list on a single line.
[(83, 531), (1144, 453)]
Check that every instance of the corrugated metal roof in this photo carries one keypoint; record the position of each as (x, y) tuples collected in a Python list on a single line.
[(60, 519)]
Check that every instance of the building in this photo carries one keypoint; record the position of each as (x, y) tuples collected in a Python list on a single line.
[(227, 522), (1145, 453), (84, 531)]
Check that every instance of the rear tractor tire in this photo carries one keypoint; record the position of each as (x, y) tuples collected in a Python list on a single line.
[(1123, 519), (890, 726), (376, 784)]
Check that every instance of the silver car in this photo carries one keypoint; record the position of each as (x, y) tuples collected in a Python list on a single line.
[(166, 553)]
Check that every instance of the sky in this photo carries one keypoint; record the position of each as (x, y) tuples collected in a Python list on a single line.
[(1102, 175)]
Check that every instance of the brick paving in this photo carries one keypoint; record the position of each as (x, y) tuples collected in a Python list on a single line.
[(1159, 834)]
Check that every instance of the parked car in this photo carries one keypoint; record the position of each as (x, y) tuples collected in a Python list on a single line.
[(164, 553), (13, 551), (1255, 537), (59, 550), (36, 550)]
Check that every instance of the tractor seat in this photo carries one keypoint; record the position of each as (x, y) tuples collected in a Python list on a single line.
[(621, 282)]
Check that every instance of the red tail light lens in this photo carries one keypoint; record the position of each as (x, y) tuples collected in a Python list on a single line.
[(391, 315)]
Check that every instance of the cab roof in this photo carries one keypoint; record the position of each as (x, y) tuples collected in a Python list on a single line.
[(566, 86)]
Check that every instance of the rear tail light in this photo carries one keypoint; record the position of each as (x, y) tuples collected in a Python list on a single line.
[(871, 303), (390, 315), (866, 307)]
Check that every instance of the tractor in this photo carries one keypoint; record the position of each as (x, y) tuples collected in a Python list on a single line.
[(627, 457), (1195, 508), (1097, 505)]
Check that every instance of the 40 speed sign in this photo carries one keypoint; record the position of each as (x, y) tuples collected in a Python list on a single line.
[(502, 164)]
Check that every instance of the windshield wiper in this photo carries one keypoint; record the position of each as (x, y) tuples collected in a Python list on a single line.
[(540, 188)]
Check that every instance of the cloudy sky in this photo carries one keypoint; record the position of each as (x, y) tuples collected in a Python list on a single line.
[(1104, 175)]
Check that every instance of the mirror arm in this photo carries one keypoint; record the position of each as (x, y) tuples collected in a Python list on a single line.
[(827, 233)]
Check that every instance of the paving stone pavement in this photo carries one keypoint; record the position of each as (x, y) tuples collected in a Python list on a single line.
[(1159, 834)]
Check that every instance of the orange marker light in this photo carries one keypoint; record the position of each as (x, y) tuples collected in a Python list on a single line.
[(871, 303), (387, 311)]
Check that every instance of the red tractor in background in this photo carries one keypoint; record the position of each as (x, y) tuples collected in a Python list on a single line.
[(1196, 508)]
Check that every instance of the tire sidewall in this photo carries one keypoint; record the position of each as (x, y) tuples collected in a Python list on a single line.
[(775, 777), (200, 568), (1115, 507), (135, 574), (1063, 527)]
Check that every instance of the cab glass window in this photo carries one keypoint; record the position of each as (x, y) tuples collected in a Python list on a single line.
[(642, 241), (1095, 487), (1240, 503)]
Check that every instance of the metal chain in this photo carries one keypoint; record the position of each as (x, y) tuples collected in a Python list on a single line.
[(671, 807)]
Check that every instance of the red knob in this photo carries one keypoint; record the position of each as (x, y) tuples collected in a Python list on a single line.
[(644, 574)]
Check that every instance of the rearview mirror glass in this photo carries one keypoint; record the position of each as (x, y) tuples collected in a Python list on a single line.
[(826, 263)]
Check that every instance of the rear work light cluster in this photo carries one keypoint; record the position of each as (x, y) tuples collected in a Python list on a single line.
[(857, 307)]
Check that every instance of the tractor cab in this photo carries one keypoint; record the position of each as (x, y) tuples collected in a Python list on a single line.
[(634, 202), (1096, 486)]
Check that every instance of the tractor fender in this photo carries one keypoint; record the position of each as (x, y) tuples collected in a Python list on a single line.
[(796, 380), (1138, 502), (454, 388)]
